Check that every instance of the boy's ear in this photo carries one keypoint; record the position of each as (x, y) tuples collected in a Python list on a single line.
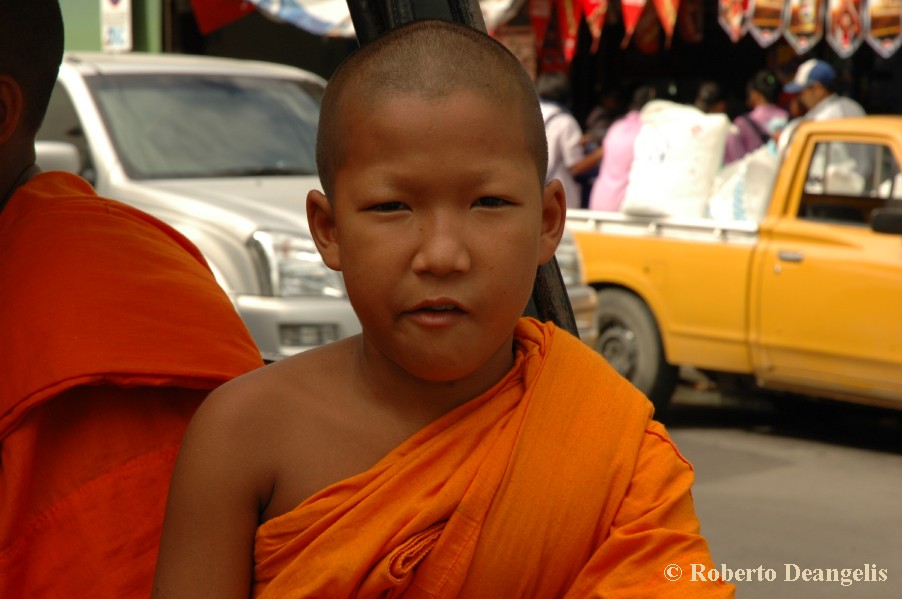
[(554, 217), (321, 219), (11, 106)]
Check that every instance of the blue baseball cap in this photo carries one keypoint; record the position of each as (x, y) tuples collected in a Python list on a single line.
[(810, 72)]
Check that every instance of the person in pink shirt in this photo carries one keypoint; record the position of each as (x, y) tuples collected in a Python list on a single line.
[(751, 128), (613, 176)]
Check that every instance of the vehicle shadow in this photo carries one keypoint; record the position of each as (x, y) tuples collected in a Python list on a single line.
[(788, 415)]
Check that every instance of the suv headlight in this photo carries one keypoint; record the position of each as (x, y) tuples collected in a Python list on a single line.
[(289, 265), (569, 260)]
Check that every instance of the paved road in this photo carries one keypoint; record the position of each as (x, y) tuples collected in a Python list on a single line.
[(815, 486)]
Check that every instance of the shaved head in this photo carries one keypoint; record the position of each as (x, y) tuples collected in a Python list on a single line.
[(430, 60)]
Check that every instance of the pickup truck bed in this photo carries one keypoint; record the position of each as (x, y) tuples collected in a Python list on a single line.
[(807, 300)]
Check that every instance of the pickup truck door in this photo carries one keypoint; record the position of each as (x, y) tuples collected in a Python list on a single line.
[(829, 315)]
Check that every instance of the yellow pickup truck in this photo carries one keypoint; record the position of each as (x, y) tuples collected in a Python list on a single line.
[(808, 299)]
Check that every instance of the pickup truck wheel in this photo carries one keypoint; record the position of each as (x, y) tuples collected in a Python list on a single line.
[(629, 340)]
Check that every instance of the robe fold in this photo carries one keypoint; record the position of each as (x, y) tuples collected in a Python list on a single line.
[(554, 483), (114, 330)]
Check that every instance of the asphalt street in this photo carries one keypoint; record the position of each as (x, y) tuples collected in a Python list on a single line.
[(791, 494)]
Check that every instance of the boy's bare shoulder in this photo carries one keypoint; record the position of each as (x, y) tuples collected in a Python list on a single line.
[(296, 379), (275, 424), (283, 399)]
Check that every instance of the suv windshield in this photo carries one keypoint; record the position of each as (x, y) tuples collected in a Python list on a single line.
[(194, 126)]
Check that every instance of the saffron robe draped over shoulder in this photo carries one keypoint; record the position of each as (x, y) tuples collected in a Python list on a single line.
[(554, 483), (113, 330)]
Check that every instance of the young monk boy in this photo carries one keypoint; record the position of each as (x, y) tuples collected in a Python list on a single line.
[(452, 449)]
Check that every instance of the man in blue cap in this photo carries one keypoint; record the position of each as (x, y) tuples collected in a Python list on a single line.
[(815, 84), (842, 167)]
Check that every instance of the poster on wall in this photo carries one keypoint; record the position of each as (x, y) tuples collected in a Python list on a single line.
[(116, 25), (731, 14), (883, 24), (845, 26), (766, 20), (803, 24)]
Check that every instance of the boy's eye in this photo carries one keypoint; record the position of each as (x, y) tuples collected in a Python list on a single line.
[(490, 202), (387, 207)]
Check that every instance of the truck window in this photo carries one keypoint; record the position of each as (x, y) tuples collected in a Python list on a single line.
[(61, 123), (847, 181)]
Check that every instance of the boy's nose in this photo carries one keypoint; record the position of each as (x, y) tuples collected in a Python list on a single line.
[(442, 247)]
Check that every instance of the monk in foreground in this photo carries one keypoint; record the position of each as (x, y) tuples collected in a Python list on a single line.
[(113, 331), (454, 448)]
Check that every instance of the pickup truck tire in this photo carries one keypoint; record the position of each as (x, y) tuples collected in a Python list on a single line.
[(629, 340)]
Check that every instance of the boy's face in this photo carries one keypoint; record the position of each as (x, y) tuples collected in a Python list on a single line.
[(438, 223)]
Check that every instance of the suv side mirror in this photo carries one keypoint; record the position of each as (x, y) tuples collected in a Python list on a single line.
[(887, 220), (58, 156)]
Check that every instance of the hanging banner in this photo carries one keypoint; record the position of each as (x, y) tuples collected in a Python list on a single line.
[(766, 20), (550, 53), (883, 24), (647, 38), (540, 16), (631, 11), (804, 24), (691, 21), (667, 14), (569, 13), (731, 14), (845, 31), (319, 17), (213, 14), (595, 12)]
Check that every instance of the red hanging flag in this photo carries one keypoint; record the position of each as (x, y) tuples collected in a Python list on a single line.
[(845, 26), (549, 45), (765, 19), (569, 13), (213, 14), (595, 12), (804, 24), (540, 16), (631, 10), (883, 24), (647, 38), (667, 14), (731, 14)]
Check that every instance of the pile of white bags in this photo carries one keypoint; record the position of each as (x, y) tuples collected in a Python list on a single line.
[(742, 188), (677, 155)]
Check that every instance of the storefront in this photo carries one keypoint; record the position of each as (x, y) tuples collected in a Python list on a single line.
[(674, 44)]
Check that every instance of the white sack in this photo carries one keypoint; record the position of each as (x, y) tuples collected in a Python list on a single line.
[(678, 152)]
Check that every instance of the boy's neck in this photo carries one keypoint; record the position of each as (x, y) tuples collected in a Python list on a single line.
[(415, 400)]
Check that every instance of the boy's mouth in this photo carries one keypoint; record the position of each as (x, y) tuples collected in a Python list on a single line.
[(438, 305)]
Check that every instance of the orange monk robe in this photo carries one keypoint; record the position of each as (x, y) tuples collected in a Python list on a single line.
[(554, 483), (113, 331)]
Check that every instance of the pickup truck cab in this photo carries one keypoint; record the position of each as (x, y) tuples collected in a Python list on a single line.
[(806, 300), (224, 151)]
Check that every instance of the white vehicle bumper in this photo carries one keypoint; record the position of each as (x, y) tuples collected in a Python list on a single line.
[(286, 326)]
